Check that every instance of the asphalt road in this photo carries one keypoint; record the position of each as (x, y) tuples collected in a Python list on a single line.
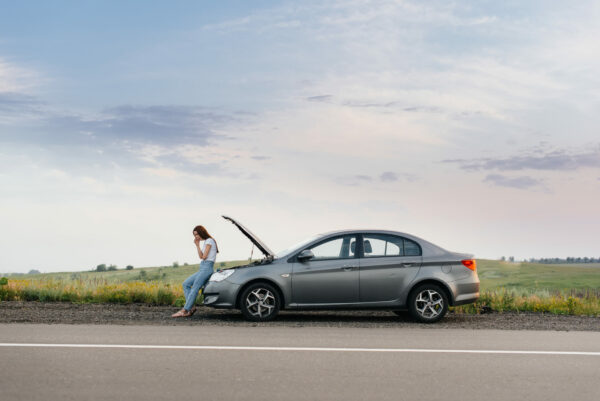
[(303, 363)]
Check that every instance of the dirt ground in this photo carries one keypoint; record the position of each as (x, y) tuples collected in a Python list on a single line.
[(137, 314)]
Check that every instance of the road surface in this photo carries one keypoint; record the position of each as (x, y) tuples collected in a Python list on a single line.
[(107, 362)]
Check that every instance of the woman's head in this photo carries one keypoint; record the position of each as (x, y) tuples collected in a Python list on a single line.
[(201, 232)]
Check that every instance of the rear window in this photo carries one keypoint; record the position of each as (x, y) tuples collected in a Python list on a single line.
[(411, 248)]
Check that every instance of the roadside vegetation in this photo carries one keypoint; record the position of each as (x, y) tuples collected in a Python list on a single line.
[(572, 289), (151, 285), (567, 302), (505, 286)]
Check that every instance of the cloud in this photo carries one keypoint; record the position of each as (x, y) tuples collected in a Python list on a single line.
[(397, 105), (260, 157), (15, 103), (320, 98), (158, 124), (346, 15), (188, 166), (522, 182), (354, 180), (117, 137), (385, 177), (368, 104), (557, 160), (15, 82), (15, 78), (150, 124), (388, 176)]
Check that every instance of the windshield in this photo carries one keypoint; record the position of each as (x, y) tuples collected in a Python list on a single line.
[(297, 246)]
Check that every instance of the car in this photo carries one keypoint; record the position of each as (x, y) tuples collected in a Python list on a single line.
[(349, 269)]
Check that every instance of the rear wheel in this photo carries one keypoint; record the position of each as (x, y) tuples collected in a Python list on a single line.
[(260, 302), (428, 303)]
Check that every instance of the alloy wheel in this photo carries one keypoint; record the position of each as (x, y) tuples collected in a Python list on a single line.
[(260, 303), (429, 303)]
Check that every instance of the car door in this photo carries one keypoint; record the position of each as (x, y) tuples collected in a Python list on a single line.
[(388, 264), (330, 277)]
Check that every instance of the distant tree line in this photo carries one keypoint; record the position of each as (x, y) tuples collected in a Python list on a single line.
[(32, 271), (555, 261), (567, 260), (104, 268)]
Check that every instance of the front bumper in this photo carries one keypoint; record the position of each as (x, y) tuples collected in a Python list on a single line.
[(220, 294)]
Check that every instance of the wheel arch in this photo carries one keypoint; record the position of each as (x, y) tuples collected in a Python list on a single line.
[(259, 280), (440, 283)]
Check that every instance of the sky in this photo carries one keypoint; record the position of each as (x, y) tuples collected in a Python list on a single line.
[(473, 125)]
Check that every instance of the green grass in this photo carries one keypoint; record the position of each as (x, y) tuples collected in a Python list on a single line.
[(509, 300), (495, 275), (165, 274), (505, 286)]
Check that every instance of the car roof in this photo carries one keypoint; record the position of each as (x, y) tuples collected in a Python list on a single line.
[(366, 230)]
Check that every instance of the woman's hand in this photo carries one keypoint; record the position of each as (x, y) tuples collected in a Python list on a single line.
[(202, 255)]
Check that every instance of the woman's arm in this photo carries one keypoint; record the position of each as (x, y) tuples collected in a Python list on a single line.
[(203, 255)]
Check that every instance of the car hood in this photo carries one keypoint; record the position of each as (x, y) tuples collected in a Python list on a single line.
[(255, 240)]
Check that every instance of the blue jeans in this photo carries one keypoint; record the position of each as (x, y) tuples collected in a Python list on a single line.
[(192, 284)]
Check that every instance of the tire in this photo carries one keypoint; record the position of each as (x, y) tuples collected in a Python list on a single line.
[(428, 303), (260, 302)]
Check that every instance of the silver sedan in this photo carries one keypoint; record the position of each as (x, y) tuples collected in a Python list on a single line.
[(351, 269)]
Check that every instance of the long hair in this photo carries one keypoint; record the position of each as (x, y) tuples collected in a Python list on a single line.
[(204, 234)]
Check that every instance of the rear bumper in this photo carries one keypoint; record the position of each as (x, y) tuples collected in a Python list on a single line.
[(466, 291), (468, 299)]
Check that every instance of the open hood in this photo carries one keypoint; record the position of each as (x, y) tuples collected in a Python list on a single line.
[(264, 249)]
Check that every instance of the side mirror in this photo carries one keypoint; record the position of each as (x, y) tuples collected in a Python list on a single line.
[(305, 255)]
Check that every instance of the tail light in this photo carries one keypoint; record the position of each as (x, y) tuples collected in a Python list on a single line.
[(469, 264)]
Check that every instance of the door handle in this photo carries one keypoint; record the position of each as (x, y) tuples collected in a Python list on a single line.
[(348, 267), (407, 264)]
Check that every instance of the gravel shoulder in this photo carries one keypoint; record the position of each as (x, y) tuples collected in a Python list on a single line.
[(138, 314)]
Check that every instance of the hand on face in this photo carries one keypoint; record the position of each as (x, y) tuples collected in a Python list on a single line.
[(197, 238)]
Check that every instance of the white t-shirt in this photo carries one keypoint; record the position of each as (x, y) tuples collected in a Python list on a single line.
[(212, 254)]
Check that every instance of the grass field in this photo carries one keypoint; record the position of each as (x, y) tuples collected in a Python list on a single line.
[(164, 274), (505, 286), (495, 274)]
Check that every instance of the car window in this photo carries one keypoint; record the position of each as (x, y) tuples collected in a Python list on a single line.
[(411, 248), (337, 248), (377, 245)]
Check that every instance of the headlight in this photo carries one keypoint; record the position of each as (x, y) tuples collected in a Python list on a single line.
[(221, 275)]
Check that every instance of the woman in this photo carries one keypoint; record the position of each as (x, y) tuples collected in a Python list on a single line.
[(192, 284)]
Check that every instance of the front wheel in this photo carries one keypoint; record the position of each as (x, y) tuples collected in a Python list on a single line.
[(260, 302), (428, 303)]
